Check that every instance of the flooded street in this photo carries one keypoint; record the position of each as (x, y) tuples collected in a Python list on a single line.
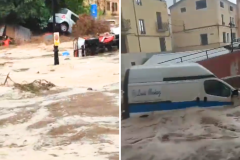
[(77, 118), (191, 134)]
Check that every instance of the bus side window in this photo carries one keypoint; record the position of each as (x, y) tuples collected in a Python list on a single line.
[(216, 88)]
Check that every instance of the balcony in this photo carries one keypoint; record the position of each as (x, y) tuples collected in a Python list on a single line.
[(125, 25), (162, 27)]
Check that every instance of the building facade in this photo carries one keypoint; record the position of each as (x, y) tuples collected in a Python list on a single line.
[(238, 15), (112, 7), (106, 7), (145, 26), (203, 24)]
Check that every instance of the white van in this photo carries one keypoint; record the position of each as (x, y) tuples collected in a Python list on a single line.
[(65, 19), (149, 89)]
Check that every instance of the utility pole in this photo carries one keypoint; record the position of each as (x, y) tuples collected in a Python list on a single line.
[(56, 58), (136, 20)]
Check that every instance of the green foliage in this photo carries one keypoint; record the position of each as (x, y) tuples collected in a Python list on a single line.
[(18, 11), (84, 10), (74, 5), (100, 13), (36, 11)]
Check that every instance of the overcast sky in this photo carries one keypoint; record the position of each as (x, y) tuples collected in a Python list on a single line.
[(170, 2)]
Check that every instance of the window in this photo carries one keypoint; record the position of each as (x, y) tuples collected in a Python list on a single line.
[(159, 20), (228, 38), (216, 88), (234, 36), (222, 4), (74, 18), (188, 78), (232, 20), (224, 37), (201, 4), (108, 6), (183, 9), (139, 2), (162, 44), (204, 39), (114, 7), (63, 11), (231, 8), (223, 23), (141, 26)]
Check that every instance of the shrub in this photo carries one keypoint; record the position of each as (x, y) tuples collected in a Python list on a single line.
[(87, 25)]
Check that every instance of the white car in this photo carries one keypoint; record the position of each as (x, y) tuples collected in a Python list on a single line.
[(65, 19), (236, 43), (112, 23)]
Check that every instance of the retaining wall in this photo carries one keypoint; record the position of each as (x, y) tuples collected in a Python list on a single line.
[(17, 32), (225, 66)]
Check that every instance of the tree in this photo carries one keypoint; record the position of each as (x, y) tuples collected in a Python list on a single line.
[(18, 11), (75, 5), (35, 12)]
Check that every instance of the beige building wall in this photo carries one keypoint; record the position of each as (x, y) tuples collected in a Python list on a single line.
[(226, 12), (193, 18), (132, 43), (228, 32), (188, 26), (135, 41), (110, 7), (146, 44), (238, 15), (190, 40)]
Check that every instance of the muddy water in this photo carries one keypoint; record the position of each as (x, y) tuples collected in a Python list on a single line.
[(53, 125), (192, 134)]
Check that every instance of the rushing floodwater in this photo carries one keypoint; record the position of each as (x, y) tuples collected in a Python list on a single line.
[(192, 134)]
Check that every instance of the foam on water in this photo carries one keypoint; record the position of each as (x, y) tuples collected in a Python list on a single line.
[(184, 134)]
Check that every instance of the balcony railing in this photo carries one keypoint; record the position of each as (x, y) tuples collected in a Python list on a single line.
[(125, 25), (162, 27)]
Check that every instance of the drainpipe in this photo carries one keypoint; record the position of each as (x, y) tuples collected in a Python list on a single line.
[(134, 9), (238, 17)]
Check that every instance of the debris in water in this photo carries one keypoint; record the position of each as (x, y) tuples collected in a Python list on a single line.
[(33, 87)]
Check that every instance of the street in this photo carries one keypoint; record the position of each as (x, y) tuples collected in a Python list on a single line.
[(76, 117)]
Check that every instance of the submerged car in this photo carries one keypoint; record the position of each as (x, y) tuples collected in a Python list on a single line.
[(65, 19)]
